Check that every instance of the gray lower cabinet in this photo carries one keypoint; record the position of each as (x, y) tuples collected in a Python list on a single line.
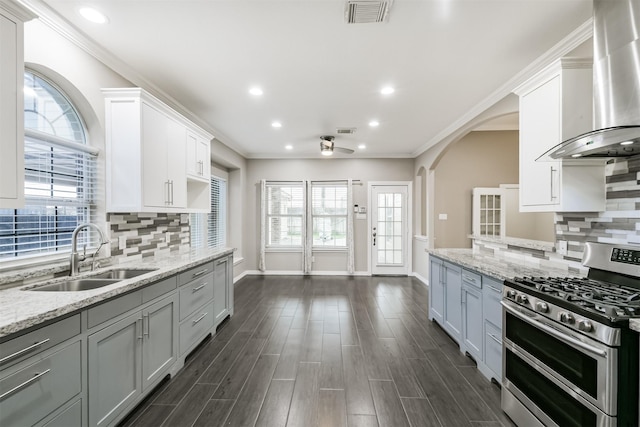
[(453, 301), (34, 389), (128, 356), (222, 292), (436, 291), (492, 333), (472, 330)]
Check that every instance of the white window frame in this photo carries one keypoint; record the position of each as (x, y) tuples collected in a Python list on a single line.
[(47, 172), (314, 215), (270, 247)]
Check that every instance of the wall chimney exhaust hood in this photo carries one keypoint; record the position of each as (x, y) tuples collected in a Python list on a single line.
[(616, 86)]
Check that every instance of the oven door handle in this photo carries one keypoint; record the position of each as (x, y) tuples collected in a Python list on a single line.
[(551, 331)]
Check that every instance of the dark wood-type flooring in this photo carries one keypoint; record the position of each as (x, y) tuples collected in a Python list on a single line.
[(326, 351)]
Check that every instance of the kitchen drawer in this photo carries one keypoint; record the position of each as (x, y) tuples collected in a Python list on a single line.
[(471, 278), (194, 294), (112, 308), (70, 417), (36, 341), (157, 289), (493, 349), (196, 327), (492, 295), (35, 391), (195, 273)]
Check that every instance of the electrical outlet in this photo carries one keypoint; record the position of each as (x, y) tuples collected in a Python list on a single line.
[(442, 217), (562, 247)]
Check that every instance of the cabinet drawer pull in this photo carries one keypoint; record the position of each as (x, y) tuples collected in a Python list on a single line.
[(17, 388), (221, 261), (23, 351), (202, 316), (139, 327), (494, 289), (469, 278), (495, 338), (196, 289), (199, 273)]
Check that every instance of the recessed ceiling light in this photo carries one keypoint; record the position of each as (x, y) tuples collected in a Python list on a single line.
[(276, 124), (374, 123), (255, 91), (288, 147), (626, 143), (387, 90), (361, 147), (93, 15)]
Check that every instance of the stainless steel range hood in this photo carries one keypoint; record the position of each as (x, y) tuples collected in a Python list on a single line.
[(616, 81)]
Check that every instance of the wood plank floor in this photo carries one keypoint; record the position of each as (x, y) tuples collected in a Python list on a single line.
[(326, 351)]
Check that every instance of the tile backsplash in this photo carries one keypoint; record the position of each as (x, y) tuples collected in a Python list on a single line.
[(620, 223), (148, 234)]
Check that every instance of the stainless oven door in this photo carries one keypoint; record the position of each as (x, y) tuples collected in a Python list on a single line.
[(581, 368)]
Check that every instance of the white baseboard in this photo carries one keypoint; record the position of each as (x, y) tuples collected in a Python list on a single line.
[(422, 279), (299, 273)]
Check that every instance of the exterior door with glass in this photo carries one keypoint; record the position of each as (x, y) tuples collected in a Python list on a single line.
[(389, 229)]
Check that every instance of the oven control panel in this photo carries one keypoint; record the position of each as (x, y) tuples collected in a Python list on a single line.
[(627, 256)]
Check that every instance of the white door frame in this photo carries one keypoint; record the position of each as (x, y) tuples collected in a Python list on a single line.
[(409, 185)]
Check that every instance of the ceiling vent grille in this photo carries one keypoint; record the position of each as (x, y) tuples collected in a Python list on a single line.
[(366, 11), (345, 130)]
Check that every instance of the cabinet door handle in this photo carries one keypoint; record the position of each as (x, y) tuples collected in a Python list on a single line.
[(23, 351), (551, 183), (201, 167), (145, 322), (171, 183), (166, 193), (202, 316), (194, 290), (496, 290), (199, 273), (495, 338), (36, 377), (139, 327)]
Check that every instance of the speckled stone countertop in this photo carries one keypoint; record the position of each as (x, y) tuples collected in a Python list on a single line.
[(634, 324), (499, 268), (21, 308), (512, 241)]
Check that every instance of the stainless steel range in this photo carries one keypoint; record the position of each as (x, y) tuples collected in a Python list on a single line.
[(569, 357)]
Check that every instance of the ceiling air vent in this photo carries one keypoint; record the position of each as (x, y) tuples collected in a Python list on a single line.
[(366, 11), (345, 130)]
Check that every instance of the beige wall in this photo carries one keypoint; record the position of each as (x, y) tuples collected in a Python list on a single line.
[(480, 159), (363, 169)]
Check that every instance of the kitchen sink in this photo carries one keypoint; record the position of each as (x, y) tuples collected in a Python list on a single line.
[(122, 274), (75, 285)]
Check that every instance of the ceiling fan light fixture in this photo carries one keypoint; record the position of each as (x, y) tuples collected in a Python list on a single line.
[(326, 151)]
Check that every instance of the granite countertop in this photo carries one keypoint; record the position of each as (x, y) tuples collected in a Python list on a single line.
[(499, 268), (21, 308), (634, 324)]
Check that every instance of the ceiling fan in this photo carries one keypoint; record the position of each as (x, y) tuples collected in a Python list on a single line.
[(327, 146)]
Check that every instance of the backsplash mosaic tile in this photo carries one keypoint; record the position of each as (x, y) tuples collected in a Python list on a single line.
[(148, 234), (620, 223)]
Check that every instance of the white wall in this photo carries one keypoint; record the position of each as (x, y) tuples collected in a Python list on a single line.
[(364, 170)]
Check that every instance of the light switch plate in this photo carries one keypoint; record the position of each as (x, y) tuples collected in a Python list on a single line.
[(562, 247), (442, 217)]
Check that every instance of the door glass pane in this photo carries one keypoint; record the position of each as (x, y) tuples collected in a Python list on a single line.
[(390, 228)]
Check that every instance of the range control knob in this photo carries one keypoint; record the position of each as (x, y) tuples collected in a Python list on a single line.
[(566, 317), (511, 294), (585, 326), (522, 299), (542, 307)]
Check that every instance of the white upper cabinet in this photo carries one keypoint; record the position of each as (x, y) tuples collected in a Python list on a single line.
[(12, 17), (198, 157), (555, 105), (147, 150)]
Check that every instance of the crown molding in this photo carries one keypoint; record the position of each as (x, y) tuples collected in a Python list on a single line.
[(580, 35)]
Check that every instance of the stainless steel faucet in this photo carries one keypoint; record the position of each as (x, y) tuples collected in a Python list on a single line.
[(74, 267)]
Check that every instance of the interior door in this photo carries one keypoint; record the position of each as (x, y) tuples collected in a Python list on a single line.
[(389, 229)]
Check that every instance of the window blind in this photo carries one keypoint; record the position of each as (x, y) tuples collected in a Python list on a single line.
[(210, 229)]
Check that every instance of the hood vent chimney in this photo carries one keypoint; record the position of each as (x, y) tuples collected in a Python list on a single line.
[(616, 85)]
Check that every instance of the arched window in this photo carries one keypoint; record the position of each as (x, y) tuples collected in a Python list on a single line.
[(60, 176)]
